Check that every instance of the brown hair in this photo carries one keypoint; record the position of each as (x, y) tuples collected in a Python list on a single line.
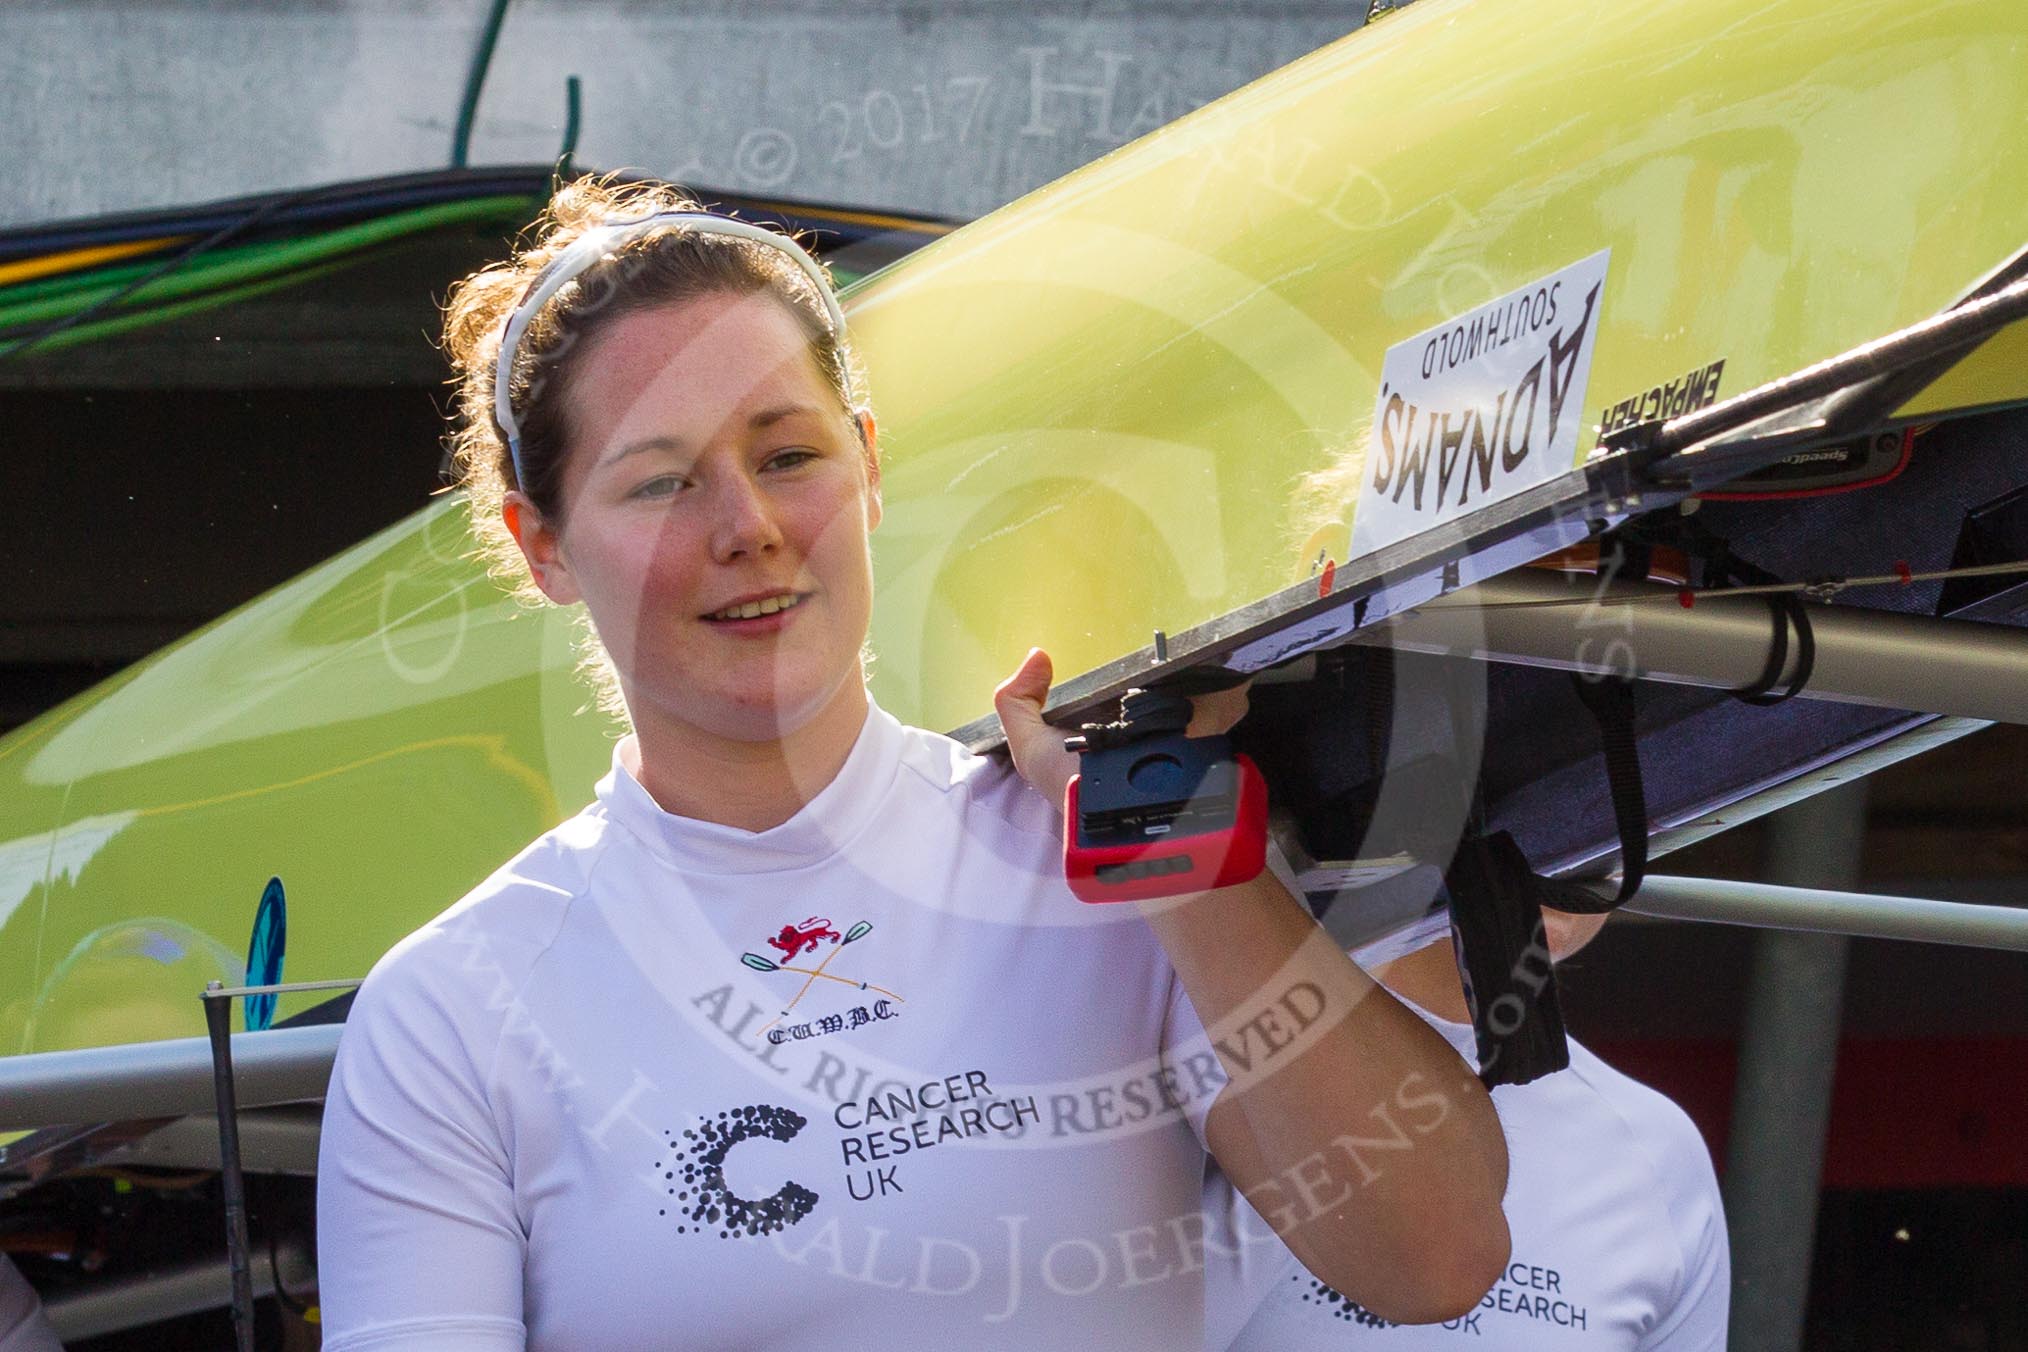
[(667, 266)]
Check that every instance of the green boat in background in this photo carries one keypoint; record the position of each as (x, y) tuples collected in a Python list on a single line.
[(1105, 410)]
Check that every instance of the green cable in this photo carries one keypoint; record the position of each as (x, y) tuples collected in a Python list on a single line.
[(162, 313), (573, 106), (305, 260), (139, 319), (116, 275), (223, 267), (107, 328), (475, 80), (273, 257)]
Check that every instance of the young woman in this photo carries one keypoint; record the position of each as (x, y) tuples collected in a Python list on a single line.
[(795, 1037)]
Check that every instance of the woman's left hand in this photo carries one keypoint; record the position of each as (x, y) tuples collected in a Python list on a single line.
[(1037, 747)]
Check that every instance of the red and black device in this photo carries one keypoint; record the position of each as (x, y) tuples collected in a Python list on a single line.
[(1152, 813)]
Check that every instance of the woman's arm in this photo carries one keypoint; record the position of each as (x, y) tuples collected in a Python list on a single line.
[(1349, 1123), (418, 1242), (1364, 1140)]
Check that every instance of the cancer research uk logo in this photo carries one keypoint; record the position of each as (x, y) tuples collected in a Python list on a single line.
[(876, 1132), (1480, 407)]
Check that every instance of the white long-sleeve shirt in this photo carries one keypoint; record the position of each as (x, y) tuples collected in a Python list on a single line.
[(870, 1078), (1619, 1240)]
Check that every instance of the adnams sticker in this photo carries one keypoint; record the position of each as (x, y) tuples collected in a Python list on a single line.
[(1480, 407)]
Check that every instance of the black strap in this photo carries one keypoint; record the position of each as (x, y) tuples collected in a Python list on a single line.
[(1786, 609), (1723, 568), (1610, 701), (1503, 961), (1496, 901)]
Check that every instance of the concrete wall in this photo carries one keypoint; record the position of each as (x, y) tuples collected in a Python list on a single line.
[(949, 107)]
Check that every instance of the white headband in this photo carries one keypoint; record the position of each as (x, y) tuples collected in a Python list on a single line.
[(595, 244)]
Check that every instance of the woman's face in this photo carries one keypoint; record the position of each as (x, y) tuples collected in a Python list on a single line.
[(712, 469)]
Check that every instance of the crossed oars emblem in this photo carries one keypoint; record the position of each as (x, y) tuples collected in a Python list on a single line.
[(810, 975)]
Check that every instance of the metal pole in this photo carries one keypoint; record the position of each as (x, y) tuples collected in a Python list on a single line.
[(1807, 908), (169, 1292), (1781, 1105), (1882, 658), (217, 1019), (170, 1078)]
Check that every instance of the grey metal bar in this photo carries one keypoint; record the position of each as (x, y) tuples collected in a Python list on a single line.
[(206, 1284), (288, 987), (279, 1140), (1769, 906), (1781, 1105), (1873, 657), (1917, 735), (163, 1079)]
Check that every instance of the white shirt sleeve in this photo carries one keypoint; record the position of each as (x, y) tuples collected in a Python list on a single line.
[(22, 1325), (1697, 1323), (418, 1239), (1687, 1186), (1194, 1074), (1245, 1261)]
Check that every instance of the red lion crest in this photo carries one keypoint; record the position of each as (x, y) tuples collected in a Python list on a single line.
[(794, 939)]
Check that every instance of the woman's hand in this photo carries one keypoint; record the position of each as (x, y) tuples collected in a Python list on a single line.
[(1037, 747), (1418, 1240)]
